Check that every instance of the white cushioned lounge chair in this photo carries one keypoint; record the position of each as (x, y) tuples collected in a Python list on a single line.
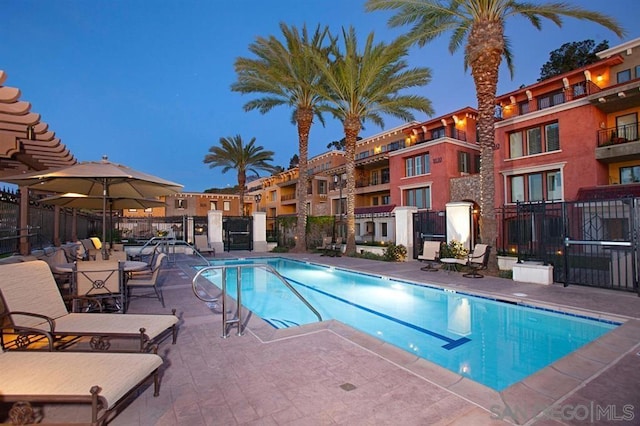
[(103, 380), (32, 300)]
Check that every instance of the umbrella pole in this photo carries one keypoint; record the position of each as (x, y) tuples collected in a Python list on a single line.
[(105, 253)]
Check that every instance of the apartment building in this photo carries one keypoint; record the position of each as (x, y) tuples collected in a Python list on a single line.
[(573, 136)]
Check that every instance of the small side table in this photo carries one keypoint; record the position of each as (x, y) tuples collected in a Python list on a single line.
[(452, 264)]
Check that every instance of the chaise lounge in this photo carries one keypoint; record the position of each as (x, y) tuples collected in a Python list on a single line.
[(103, 380), (430, 254), (33, 304)]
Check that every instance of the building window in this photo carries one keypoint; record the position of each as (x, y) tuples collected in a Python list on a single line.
[(523, 107), (630, 174), (464, 165), (476, 162), (385, 176), (273, 196), (530, 141), (375, 177), (386, 199), (181, 203), (534, 141), (552, 137), (383, 229), (374, 201), (417, 165), (213, 205), (322, 187), (637, 71), (437, 133), (538, 186), (624, 76), (226, 206), (418, 197), (550, 99)]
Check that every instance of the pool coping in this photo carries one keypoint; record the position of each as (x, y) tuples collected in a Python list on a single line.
[(542, 392)]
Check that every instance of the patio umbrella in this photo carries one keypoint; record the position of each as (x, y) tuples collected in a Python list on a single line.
[(102, 179), (81, 201)]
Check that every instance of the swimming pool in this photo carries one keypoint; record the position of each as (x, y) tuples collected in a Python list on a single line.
[(489, 341)]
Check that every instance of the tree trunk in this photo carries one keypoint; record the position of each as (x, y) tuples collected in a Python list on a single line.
[(484, 53), (304, 117), (352, 129), (242, 181)]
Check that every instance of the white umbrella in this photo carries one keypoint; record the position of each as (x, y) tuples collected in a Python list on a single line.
[(90, 202), (102, 179)]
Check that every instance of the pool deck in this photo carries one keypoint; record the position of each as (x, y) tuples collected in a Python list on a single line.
[(330, 374)]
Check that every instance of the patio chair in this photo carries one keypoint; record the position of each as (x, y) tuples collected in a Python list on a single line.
[(202, 245), (478, 260), (32, 301), (333, 249), (102, 281), (148, 284), (430, 254), (326, 242), (104, 380)]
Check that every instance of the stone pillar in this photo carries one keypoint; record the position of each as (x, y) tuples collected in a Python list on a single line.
[(189, 232), (214, 229), (404, 227), (259, 232), (460, 223)]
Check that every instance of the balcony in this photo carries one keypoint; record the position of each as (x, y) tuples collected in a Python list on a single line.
[(617, 98), (620, 143)]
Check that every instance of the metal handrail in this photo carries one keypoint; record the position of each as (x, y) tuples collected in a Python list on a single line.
[(237, 319)]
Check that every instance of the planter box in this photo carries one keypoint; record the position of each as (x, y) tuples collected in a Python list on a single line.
[(533, 273), (505, 263)]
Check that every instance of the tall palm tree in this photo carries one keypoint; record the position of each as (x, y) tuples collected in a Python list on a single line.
[(362, 86), (284, 73), (234, 154), (479, 25)]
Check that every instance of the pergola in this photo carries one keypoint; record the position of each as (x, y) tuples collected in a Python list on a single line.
[(26, 143)]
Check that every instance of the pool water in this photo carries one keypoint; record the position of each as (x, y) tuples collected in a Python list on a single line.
[(491, 342)]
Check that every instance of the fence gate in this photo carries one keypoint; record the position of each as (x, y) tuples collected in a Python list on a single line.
[(592, 243), (428, 226), (238, 233)]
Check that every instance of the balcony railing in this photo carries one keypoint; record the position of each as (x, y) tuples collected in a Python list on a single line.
[(287, 197), (618, 135), (361, 183)]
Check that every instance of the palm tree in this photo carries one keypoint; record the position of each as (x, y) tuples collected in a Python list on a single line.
[(363, 86), (234, 154), (479, 25), (285, 75)]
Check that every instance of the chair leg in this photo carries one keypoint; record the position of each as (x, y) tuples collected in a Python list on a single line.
[(473, 274)]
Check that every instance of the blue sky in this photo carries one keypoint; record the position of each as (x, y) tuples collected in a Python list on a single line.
[(147, 83)]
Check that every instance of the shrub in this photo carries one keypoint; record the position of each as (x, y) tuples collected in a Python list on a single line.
[(395, 253), (279, 249), (454, 249)]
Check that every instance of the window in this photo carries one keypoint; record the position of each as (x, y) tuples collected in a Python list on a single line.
[(530, 141), (437, 133), (386, 199), (464, 165), (322, 187), (523, 107), (550, 99), (627, 126), (539, 186), (375, 177), (385, 176), (213, 205), (624, 76), (579, 89), (226, 206), (476, 162), (515, 144), (181, 203), (383, 229), (374, 201), (630, 174), (534, 141), (417, 165), (273, 196), (418, 197), (552, 137), (637, 71)]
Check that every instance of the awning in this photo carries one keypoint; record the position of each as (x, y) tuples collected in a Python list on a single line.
[(609, 192)]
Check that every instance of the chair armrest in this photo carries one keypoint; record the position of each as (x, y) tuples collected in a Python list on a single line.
[(20, 341), (50, 321)]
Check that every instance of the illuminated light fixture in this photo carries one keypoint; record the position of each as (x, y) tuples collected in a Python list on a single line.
[(621, 94), (599, 78), (602, 100)]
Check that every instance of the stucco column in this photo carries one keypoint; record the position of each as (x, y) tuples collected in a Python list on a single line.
[(214, 230), (259, 232), (404, 226), (459, 223)]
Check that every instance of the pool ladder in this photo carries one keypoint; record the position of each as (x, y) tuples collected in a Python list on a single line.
[(237, 318)]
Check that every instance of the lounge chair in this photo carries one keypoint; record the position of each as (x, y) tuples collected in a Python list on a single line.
[(202, 245), (31, 301), (430, 254), (148, 283), (478, 260), (333, 249), (103, 380)]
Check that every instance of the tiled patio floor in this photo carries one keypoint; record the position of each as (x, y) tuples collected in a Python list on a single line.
[(330, 374)]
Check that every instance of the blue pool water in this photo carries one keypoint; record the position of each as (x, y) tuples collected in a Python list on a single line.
[(491, 342)]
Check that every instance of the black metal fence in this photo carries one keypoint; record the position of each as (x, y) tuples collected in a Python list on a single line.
[(592, 243), (428, 226)]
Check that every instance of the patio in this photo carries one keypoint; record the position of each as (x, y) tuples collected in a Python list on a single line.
[(331, 374)]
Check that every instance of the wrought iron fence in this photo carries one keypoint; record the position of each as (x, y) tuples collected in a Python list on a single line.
[(428, 226)]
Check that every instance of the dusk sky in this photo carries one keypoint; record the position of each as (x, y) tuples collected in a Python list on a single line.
[(147, 83)]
